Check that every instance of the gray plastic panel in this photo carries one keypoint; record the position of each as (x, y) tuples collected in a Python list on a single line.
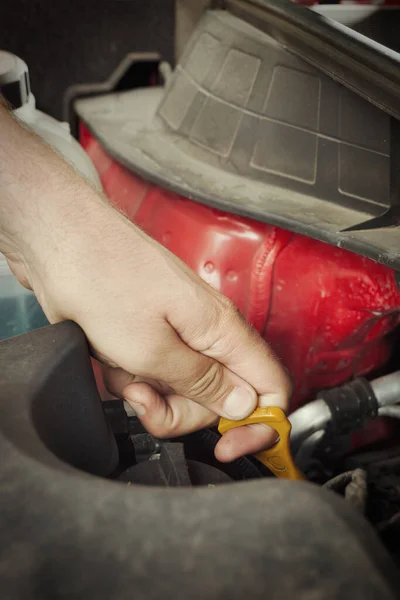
[(247, 126), (256, 96)]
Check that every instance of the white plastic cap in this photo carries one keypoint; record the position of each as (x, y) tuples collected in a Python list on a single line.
[(14, 79)]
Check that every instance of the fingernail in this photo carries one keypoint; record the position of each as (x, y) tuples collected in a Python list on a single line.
[(239, 404), (271, 400), (138, 408)]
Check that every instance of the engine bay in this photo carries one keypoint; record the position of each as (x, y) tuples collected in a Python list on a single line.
[(368, 478), (84, 486), (267, 161)]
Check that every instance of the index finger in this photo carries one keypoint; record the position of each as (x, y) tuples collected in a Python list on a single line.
[(225, 336)]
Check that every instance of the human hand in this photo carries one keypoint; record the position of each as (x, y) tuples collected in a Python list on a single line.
[(175, 349)]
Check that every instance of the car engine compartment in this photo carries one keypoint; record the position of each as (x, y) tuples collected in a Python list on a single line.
[(368, 478), (268, 162), (85, 489)]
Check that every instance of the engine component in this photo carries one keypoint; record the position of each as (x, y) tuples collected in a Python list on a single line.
[(170, 468), (288, 146), (324, 426), (373, 485), (72, 432), (353, 485), (145, 459), (200, 446), (269, 122), (358, 63), (278, 458), (79, 532)]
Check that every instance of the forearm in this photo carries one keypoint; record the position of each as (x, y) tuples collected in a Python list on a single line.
[(39, 192), (46, 208), (179, 351)]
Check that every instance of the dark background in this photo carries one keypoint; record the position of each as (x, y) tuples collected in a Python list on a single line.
[(65, 42), (383, 27)]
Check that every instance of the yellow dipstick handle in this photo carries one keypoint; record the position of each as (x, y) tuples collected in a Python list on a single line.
[(278, 458)]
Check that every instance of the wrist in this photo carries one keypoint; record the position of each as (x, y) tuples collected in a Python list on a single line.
[(53, 225), (42, 199)]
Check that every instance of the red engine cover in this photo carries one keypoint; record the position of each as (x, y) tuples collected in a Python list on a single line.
[(327, 312)]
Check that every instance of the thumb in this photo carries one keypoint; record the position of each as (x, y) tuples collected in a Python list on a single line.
[(227, 338), (205, 380)]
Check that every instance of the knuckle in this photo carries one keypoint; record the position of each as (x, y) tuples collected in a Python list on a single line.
[(147, 361), (209, 304), (229, 311), (159, 430), (210, 385), (226, 305), (169, 426)]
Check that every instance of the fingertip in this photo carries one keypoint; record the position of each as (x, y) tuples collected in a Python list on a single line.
[(281, 393), (116, 379), (240, 402), (138, 392), (225, 450), (243, 441), (142, 398), (280, 399)]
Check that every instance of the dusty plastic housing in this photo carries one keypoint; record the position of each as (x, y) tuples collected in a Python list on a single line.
[(280, 115)]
